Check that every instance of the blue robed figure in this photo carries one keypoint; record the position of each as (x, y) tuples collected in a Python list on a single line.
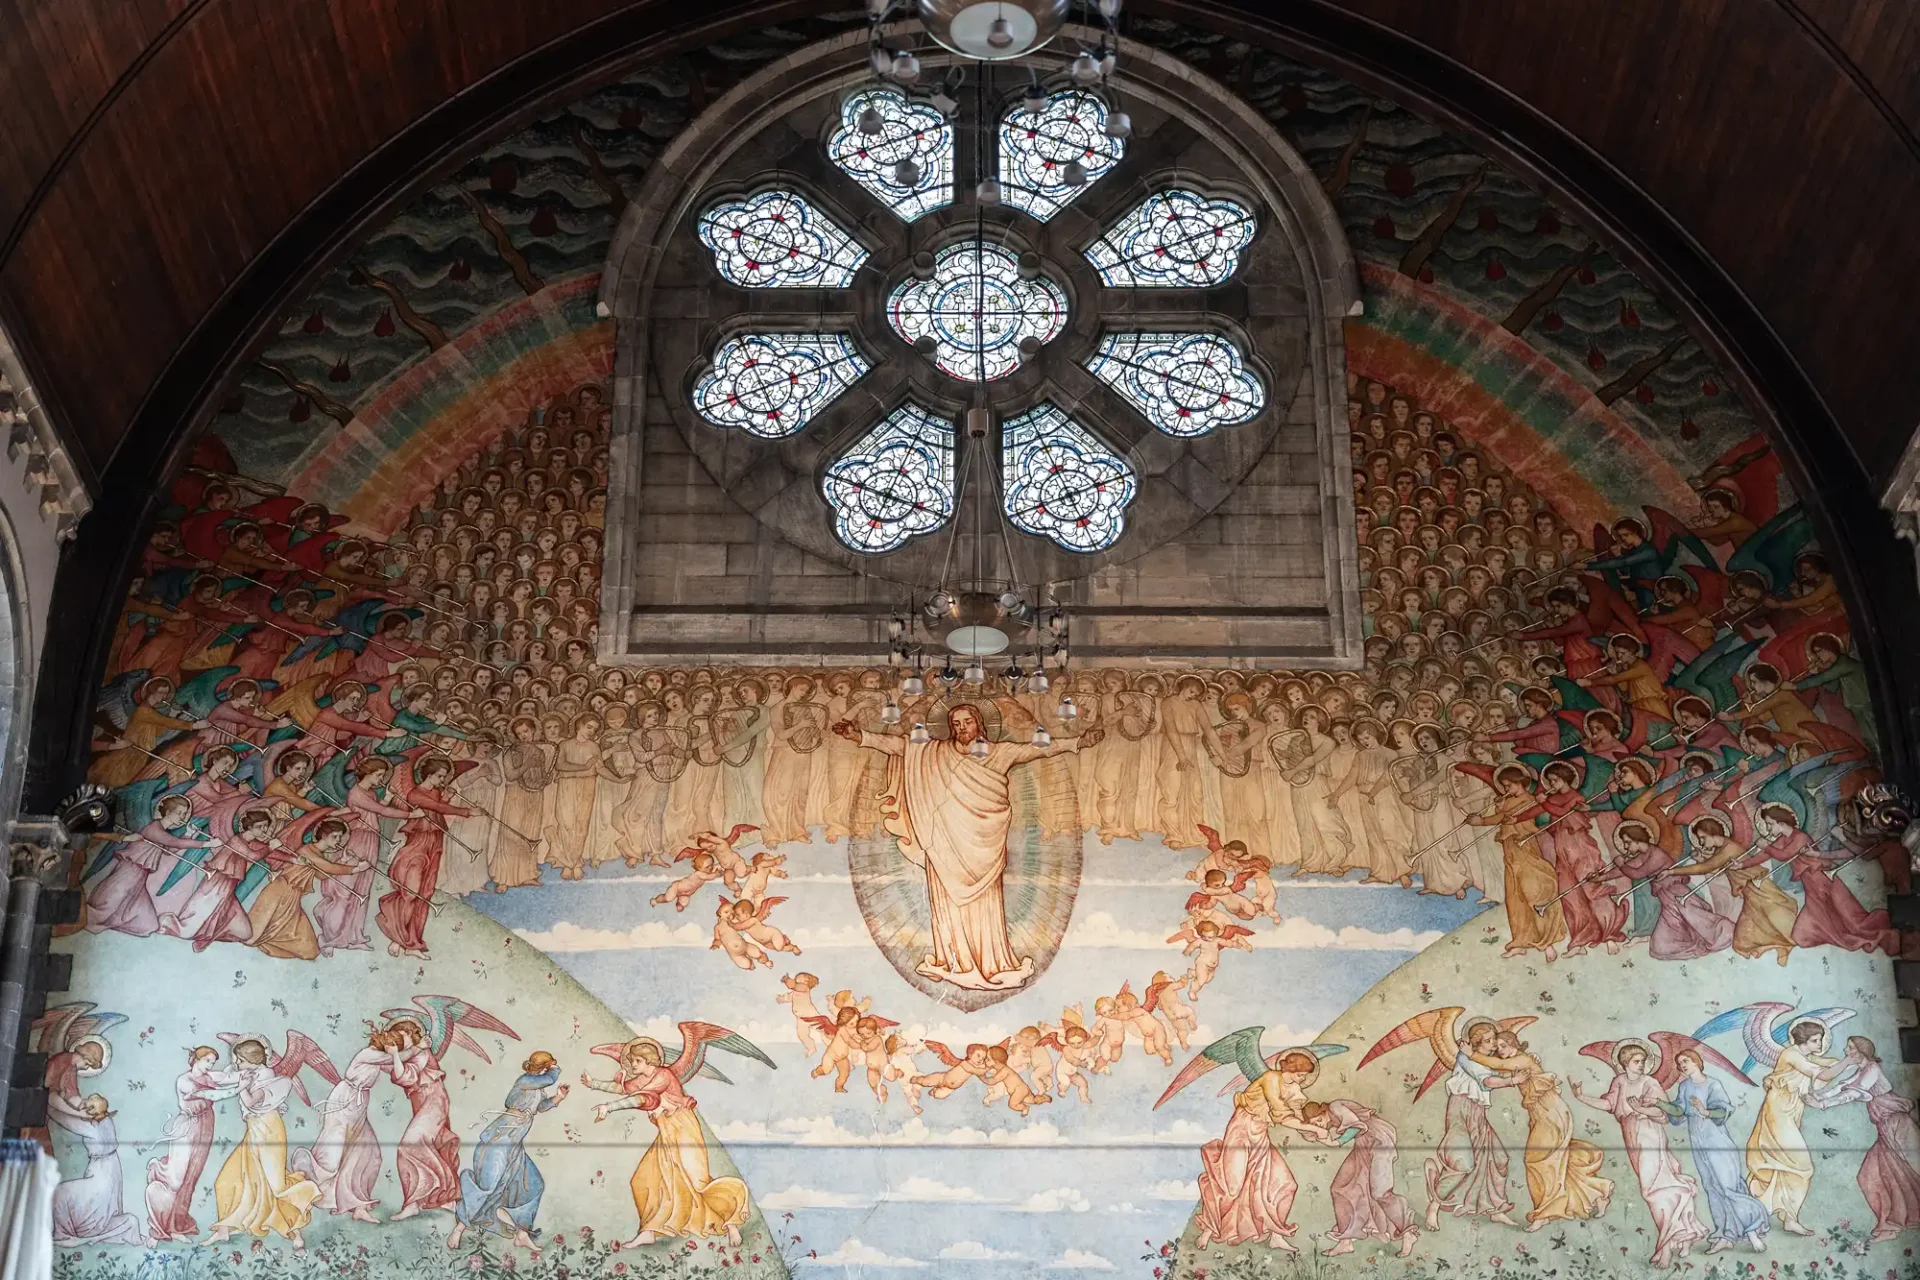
[(501, 1189), (1701, 1103)]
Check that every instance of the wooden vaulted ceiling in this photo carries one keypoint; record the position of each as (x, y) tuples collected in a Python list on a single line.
[(171, 171)]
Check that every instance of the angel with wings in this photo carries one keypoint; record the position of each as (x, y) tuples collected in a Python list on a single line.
[(1467, 1173), (974, 1065), (741, 929), (255, 1192), (674, 1191), (427, 1156), (1795, 1048), (73, 1038), (415, 870), (1246, 1186), (1163, 998), (1209, 940), (1637, 1098), (1662, 1081)]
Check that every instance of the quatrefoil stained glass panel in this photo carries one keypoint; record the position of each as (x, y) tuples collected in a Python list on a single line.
[(908, 131), (1061, 482), (1185, 384), (1175, 239), (896, 482), (779, 240), (771, 384), (1037, 146), (977, 308)]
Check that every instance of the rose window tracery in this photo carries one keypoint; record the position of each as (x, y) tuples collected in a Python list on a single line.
[(977, 306)]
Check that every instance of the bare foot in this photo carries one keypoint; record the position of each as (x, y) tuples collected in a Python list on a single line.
[(1280, 1242), (1719, 1246), (1793, 1228), (298, 1241), (1433, 1217), (361, 1215), (1538, 1225), (733, 1235), (459, 1233), (1339, 1247), (1502, 1218), (405, 1213), (1407, 1241)]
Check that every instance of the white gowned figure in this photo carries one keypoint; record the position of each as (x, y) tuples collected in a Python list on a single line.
[(951, 811)]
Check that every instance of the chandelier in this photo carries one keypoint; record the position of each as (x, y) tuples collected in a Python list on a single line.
[(972, 614)]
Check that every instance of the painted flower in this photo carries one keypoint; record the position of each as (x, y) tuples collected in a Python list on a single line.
[(474, 1262), (619, 1268), (508, 1262)]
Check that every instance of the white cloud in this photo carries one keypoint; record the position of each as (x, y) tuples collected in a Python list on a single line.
[(1079, 1260), (799, 1197), (1170, 1189), (974, 1251), (825, 1131), (932, 1189), (1101, 929), (852, 1253), (1125, 1206), (1055, 1200), (565, 936)]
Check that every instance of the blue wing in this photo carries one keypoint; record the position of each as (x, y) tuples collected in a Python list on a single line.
[(201, 694), (1774, 546), (116, 700)]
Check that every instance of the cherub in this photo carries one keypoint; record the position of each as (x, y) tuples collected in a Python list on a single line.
[(728, 935), (1079, 1053), (1002, 1078), (1128, 1012), (763, 868), (1205, 948), (720, 848), (1220, 856), (750, 918), (869, 1042), (1255, 879), (1163, 997), (1027, 1053), (974, 1065), (1200, 907), (705, 871), (1109, 1032), (799, 998), (838, 1056), (902, 1068), (1226, 893)]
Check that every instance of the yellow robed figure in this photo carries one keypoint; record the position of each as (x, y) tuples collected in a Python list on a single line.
[(255, 1193), (674, 1190)]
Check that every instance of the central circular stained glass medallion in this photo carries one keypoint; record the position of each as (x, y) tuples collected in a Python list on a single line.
[(978, 309)]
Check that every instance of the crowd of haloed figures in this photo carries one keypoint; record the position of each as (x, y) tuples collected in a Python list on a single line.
[(1576, 724)]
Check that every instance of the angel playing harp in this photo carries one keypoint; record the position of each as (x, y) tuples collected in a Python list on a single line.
[(1662, 1081), (674, 1191), (1246, 1186)]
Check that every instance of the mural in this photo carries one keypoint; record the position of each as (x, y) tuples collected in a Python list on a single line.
[(1537, 945)]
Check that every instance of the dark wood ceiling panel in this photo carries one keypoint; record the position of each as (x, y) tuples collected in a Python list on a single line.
[(1881, 39), (238, 121), (164, 143), (1738, 121), (58, 63)]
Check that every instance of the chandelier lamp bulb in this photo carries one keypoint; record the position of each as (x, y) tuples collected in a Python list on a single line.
[(890, 712), (1067, 709), (919, 734), (1041, 738), (979, 749)]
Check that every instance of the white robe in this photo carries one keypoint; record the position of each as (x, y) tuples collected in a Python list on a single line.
[(951, 814)]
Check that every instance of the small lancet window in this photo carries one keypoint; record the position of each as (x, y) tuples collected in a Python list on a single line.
[(1048, 157), (779, 240), (895, 483), (1061, 482), (1175, 239), (772, 384), (1185, 384), (885, 137)]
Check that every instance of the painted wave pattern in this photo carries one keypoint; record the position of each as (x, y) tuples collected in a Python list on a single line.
[(1505, 242), (547, 187)]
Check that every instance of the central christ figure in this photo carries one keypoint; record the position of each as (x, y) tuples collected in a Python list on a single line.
[(951, 811)]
